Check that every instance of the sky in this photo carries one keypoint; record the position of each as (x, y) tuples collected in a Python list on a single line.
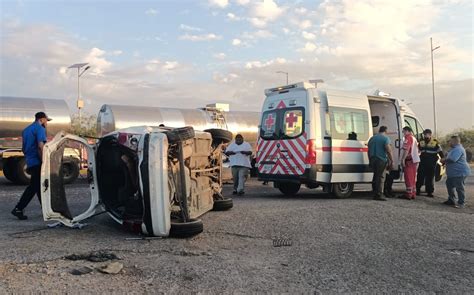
[(188, 54)]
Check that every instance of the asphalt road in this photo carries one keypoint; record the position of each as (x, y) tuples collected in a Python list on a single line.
[(355, 245)]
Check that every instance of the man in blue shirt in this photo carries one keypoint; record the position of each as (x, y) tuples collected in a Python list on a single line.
[(457, 170), (34, 138), (380, 159)]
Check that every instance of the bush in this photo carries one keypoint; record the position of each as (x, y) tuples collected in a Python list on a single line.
[(467, 140), (87, 126)]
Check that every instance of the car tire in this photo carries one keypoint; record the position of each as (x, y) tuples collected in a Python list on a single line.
[(8, 169), (188, 229), (20, 174), (289, 188), (70, 171), (180, 134), (222, 204), (219, 136), (342, 190)]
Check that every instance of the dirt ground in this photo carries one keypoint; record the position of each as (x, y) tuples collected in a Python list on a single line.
[(355, 245)]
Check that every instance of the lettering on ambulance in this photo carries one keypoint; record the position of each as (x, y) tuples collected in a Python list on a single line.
[(282, 142)]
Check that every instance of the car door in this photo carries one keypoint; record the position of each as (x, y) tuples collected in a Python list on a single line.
[(53, 194)]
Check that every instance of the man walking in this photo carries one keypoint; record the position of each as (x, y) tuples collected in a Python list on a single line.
[(457, 170), (380, 159), (409, 161), (34, 138), (429, 151), (239, 153)]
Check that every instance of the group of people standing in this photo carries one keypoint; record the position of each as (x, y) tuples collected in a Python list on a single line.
[(418, 161)]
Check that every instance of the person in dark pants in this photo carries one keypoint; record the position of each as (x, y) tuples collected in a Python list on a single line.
[(34, 138), (380, 159), (429, 149)]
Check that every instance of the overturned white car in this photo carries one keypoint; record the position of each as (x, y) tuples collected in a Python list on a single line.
[(153, 180)]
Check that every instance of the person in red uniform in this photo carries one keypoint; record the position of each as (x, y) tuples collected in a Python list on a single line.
[(409, 162)]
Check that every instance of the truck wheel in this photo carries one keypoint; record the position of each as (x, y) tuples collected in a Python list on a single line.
[(188, 229), (20, 174), (219, 136), (180, 134), (222, 204), (342, 190), (289, 188), (70, 171), (8, 169)]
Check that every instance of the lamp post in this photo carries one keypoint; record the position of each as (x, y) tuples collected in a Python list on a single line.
[(80, 102), (432, 86), (286, 73)]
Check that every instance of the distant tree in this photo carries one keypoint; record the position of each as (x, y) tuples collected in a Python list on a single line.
[(467, 140), (87, 126)]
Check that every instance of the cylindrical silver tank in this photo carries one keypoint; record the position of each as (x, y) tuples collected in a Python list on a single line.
[(18, 112), (113, 117)]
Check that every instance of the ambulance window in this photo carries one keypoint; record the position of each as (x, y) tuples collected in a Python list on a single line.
[(410, 122), (268, 128), (349, 123), (419, 133), (293, 123)]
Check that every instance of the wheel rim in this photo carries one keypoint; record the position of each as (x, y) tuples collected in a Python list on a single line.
[(66, 170), (344, 187)]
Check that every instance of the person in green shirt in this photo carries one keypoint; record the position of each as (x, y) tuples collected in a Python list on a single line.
[(380, 159)]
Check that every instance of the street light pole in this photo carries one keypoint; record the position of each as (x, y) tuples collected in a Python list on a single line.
[(80, 102), (433, 87), (286, 73)]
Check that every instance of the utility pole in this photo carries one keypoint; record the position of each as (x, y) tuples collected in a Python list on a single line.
[(433, 87), (80, 102), (286, 73)]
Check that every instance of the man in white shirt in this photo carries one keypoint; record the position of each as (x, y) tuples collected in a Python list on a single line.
[(239, 153)]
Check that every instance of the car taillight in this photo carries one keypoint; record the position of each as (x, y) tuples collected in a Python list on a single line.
[(310, 152)]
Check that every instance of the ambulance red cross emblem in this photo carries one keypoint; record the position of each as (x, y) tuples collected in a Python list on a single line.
[(291, 119), (270, 121)]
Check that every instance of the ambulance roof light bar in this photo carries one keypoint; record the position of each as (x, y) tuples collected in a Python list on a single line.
[(381, 93)]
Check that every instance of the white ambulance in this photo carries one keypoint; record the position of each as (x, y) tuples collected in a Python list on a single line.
[(319, 137)]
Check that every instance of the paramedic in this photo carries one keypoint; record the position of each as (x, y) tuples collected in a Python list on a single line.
[(457, 170), (380, 159), (34, 138), (429, 151), (409, 162), (239, 153)]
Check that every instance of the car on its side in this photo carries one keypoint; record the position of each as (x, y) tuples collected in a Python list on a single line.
[(152, 180)]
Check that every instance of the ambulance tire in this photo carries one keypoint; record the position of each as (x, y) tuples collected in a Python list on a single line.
[(342, 190), (70, 171), (188, 229), (219, 136), (222, 205), (8, 165), (20, 173), (289, 188), (180, 134)]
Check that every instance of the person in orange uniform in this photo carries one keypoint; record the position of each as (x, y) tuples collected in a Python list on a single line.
[(409, 162)]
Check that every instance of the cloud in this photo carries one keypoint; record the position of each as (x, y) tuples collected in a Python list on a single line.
[(189, 28), (220, 55), (308, 35), (309, 47), (242, 2), (232, 17), (202, 37), (151, 11), (236, 42), (263, 12), (305, 24), (219, 3)]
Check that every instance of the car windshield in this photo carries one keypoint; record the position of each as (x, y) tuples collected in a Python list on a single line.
[(282, 123)]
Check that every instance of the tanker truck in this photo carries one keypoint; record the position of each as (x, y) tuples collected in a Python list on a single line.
[(18, 112)]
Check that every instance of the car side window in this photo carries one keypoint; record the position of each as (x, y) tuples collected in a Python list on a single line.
[(349, 124)]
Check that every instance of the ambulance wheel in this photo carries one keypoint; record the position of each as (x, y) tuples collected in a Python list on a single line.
[(180, 134), (21, 175), (188, 229), (289, 188), (342, 190), (70, 171), (219, 136), (222, 205)]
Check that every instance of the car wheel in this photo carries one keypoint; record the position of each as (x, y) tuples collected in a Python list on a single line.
[(180, 134), (289, 188), (188, 229), (219, 136), (20, 174), (342, 190), (222, 204), (70, 171)]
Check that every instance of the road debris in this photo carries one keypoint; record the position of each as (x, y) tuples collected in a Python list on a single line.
[(95, 256), (81, 271), (280, 242), (112, 268)]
